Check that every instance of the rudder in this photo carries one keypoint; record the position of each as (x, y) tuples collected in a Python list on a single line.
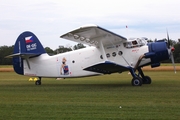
[(27, 42)]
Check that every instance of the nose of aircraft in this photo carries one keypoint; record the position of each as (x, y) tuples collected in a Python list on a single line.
[(172, 49), (158, 51)]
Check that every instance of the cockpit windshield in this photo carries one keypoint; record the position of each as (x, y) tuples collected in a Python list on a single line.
[(135, 42)]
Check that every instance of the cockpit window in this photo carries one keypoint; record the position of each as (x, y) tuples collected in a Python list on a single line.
[(135, 43)]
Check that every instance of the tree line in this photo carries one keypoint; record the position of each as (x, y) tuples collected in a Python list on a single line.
[(8, 50)]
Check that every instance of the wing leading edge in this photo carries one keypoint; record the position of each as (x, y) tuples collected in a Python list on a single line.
[(92, 35), (107, 68)]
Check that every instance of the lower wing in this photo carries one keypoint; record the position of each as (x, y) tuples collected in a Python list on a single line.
[(107, 67)]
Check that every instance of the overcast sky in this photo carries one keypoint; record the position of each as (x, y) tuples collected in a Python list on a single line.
[(48, 19)]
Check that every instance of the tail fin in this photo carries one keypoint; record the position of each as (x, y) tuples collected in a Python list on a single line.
[(27, 45)]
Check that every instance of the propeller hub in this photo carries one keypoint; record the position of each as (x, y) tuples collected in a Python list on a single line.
[(172, 49)]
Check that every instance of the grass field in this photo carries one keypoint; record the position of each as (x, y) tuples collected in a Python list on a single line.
[(90, 98)]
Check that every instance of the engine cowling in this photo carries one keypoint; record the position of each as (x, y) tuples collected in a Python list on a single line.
[(158, 52)]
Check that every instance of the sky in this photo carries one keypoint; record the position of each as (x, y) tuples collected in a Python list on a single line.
[(49, 19)]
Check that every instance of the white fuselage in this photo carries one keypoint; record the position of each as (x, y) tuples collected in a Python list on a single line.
[(75, 61)]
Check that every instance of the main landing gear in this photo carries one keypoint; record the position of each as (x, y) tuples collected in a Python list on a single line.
[(38, 82), (139, 79)]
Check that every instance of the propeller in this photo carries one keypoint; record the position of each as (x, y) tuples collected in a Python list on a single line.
[(171, 52)]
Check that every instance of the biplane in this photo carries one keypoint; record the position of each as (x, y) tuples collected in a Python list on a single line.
[(108, 53)]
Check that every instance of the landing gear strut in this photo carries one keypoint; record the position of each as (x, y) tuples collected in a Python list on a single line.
[(145, 79), (139, 79), (38, 82)]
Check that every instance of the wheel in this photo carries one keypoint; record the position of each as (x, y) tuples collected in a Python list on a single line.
[(147, 80), (136, 81), (38, 82)]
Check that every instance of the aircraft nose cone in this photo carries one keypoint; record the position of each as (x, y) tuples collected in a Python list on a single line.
[(172, 49)]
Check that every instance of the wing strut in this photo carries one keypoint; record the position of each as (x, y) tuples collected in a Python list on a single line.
[(102, 49), (117, 51)]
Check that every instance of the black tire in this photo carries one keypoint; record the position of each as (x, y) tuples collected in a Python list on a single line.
[(147, 80), (136, 81), (38, 82)]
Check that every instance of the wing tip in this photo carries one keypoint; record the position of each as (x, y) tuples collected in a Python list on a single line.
[(88, 25)]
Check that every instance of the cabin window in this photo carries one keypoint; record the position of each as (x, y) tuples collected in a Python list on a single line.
[(114, 54), (120, 53), (127, 44), (134, 43), (101, 57), (108, 55), (131, 44)]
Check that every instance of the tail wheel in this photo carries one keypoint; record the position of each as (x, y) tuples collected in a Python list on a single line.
[(38, 82), (146, 80), (136, 81)]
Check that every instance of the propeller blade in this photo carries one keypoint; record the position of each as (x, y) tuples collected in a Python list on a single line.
[(171, 51), (168, 40), (172, 59)]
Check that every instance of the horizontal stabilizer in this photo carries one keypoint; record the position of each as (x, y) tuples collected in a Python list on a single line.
[(107, 68), (23, 55)]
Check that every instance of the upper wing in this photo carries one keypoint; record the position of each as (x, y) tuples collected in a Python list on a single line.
[(92, 34)]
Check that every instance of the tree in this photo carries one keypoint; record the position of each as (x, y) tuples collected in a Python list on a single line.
[(62, 49), (49, 51), (78, 46), (172, 42), (177, 53), (5, 51)]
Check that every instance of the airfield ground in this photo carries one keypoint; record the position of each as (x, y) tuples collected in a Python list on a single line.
[(91, 98)]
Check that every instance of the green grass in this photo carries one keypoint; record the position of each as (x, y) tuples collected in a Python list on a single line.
[(90, 98), (6, 66)]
